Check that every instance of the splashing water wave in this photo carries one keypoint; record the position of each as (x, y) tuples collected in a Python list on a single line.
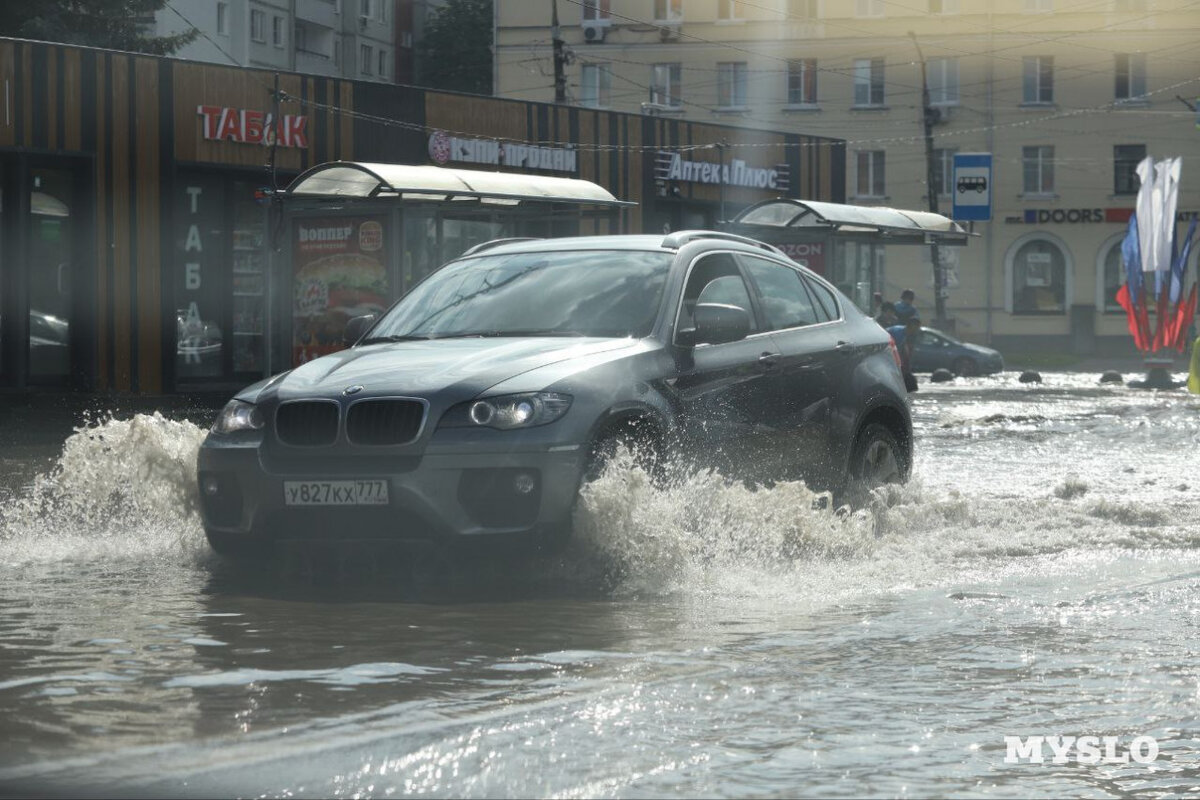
[(120, 487), (127, 488)]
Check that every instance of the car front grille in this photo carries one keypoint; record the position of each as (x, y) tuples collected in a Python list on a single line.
[(307, 423), (388, 421)]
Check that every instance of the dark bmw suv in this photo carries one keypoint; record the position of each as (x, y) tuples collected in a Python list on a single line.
[(476, 405)]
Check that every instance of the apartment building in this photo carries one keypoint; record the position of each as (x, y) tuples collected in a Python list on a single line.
[(1067, 95), (355, 39)]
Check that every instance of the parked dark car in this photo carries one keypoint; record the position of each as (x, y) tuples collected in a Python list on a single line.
[(476, 405), (934, 349)]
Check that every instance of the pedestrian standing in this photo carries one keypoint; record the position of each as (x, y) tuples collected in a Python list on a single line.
[(887, 315), (905, 310)]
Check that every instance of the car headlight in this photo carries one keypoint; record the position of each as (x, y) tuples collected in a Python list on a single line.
[(238, 415), (508, 411)]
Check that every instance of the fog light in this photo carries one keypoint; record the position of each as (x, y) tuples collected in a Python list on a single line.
[(482, 412), (211, 485), (524, 483)]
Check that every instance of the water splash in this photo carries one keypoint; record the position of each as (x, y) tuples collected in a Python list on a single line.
[(120, 486)]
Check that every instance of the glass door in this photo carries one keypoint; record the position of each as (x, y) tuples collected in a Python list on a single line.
[(49, 265)]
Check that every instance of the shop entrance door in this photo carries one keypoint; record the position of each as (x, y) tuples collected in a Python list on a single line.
[(50, 268)]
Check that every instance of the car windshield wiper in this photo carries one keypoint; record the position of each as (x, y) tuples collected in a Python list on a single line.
[(395, 337)]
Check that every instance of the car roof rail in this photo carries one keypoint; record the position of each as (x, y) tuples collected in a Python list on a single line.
[(680, 238), (479, 248)]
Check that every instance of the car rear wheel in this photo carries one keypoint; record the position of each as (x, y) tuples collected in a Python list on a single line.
[(877, 460), (966, 367)]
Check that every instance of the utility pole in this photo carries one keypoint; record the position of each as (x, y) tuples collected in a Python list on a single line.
[(560, 58), (928, 114)]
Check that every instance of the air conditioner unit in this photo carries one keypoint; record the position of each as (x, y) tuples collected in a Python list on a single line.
[(594, 33), (669, 31)]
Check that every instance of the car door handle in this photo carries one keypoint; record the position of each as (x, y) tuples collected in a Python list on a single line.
[(844, 348), (768, 360)]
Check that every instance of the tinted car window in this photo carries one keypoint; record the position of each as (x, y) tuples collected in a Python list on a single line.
[(824, 298), (714, 279), (587, 292), (785, 302)]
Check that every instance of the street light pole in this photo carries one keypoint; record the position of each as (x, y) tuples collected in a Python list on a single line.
[(928, 114)]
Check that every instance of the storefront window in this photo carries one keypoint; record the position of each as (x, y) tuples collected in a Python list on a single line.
[(461, 234), (249, 281), (1039, 278), (1113, 277)]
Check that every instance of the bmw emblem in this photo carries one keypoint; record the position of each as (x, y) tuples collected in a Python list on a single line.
[(349, 390)]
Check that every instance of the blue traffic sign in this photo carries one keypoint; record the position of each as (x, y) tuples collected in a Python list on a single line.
[(972, 186)]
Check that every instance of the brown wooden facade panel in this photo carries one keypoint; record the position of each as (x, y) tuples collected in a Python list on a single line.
[(122, 288), (8, 131), (104, 318), (149, 266), (25, 91), (73, 100)]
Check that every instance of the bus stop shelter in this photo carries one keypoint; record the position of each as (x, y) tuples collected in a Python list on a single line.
[(359, 235), (845, 243)]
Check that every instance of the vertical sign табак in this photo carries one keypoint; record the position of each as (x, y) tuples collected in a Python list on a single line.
[(972, 186)]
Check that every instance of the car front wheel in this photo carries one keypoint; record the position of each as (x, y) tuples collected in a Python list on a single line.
[(236, 546)]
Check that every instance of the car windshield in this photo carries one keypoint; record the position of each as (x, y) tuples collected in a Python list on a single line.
[(612, 293)]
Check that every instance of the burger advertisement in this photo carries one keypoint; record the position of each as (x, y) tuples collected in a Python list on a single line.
[(340, 273)]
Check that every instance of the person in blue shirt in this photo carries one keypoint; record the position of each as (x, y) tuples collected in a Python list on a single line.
[(904, 307), (905, 336)]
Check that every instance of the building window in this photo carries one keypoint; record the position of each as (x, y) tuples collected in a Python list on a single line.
[(667, 10), (727, 10), (868, 8), (1039, 79), (277, 31), (1038, 169), (383, 60), (871, 173), (1126, 158), (665, 85), (595, 90), (868, 81), (943, 81), (258, 22), (1039, 278), (731, 84), (802, 82), (366, 55), (802, 10), (1131, 76), (1039, 6), (223, 19), (597, 9), (943, 170), (943, 6)]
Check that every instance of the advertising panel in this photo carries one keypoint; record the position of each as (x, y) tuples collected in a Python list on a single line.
[(340, 272)]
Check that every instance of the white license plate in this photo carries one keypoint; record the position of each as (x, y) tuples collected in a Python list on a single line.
[(335, 493)]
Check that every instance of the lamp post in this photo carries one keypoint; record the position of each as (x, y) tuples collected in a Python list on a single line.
[(928, 114)]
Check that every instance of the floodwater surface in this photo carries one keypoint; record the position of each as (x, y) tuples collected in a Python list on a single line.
[(1038, 577)]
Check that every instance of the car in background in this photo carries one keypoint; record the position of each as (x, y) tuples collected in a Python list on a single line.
[(934, 349), (475, 407)]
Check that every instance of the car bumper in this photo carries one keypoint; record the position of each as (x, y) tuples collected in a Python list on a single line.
[(434, 498)]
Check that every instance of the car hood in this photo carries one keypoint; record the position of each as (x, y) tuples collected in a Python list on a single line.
[(980, 350), (465, 367)]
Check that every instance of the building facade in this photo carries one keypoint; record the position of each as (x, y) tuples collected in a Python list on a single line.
[(1066, 97), (143, 243), (355, 39)]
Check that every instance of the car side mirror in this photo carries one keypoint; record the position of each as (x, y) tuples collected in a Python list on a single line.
[(717, 323), (356, 327)]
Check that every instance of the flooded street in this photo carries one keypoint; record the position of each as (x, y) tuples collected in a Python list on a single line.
[(1038, 577)]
